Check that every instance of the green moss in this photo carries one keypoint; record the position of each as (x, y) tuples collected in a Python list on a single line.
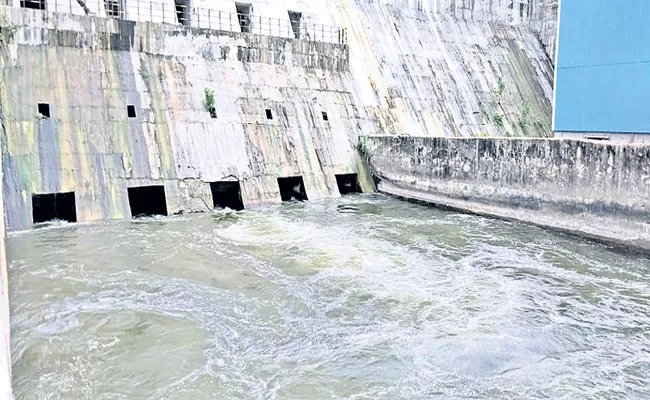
[(498, 120), (209, 100), (524, 117), (502, 86)]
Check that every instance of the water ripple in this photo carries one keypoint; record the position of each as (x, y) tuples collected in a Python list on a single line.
[(386, 300)]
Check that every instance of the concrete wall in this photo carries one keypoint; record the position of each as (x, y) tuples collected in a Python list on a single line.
[(92, 68), (591, 188), (620, 138), (5, 352), (449, 68), (423, 68)]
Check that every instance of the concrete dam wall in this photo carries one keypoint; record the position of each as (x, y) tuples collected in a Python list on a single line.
[(592, 189), (126, 99)]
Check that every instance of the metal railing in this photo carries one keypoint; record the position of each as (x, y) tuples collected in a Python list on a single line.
[(179, 13)]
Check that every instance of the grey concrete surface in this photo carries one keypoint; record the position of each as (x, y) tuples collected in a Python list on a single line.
[(597, 190)]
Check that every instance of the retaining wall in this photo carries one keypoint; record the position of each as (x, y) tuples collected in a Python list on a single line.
[(594, 189)]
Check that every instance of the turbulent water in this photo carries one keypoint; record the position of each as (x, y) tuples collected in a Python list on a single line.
[(360, 298)]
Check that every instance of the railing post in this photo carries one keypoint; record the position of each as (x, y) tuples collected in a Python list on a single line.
[(219, 20), (150, 10), (230, 21), (209, 20), (163, 12), (138, 10)]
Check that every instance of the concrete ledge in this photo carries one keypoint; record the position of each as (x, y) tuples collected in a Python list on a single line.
[(619, 234)]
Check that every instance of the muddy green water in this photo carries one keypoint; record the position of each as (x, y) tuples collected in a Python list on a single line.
[(386, 300)]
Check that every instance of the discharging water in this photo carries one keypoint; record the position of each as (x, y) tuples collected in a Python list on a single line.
[(382, 300)]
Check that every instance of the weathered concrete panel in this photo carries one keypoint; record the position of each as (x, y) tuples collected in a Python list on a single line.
[(91, 147), (592, 188), (5, 352), (449, 68)]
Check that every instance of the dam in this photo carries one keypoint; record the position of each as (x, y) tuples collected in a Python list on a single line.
[(203, 199)]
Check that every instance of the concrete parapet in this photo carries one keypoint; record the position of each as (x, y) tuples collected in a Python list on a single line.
[(593, 189)]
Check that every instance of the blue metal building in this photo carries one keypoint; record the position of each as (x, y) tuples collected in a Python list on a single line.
[(603, 70)]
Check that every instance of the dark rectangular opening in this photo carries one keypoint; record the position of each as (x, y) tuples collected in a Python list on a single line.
[(269, 114), (183, 12), (244, 16), (294, 18), (44, 109), (213, 112), (348, 183), (227, 194), (325, 117), (130, 111), (33, 4), (147, 200), (292, 188), (113, 8), (54, 206)]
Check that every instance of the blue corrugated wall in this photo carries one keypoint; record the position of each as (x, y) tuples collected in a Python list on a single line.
[(603, 66)]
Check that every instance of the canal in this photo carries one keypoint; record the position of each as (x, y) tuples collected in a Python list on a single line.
[(363, 297)]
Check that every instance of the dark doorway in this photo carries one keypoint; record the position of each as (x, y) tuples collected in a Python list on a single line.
[(348, 183), (147, 200), (269, 114), (244, 17), (227, 194), (48, 207), (292, 188)]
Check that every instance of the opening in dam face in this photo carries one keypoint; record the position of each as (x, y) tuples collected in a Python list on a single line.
[(348, 183), (147, 201), (298, 301), (227, 194), (54, 206), (292, 188), (44, 110)]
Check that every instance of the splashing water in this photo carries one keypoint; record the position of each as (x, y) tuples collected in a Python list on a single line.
[(359, 298)]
